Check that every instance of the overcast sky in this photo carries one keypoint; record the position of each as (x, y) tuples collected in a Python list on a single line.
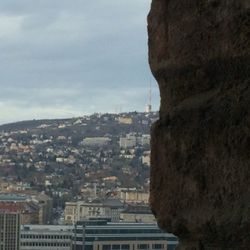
[(64, 58)]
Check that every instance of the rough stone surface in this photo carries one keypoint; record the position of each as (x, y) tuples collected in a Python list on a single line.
[(199, 53)]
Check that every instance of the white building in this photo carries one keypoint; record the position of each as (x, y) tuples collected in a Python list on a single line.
[(95, 141), (133, 196), (80, 210), (129, 141), (125, 120), (146, 158), (46, 237)]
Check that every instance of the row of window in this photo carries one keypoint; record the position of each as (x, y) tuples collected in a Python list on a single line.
[(45, 244), (45, 236), (119, 231), (154, 246), (127, 247), (116, 247), (112, 238)]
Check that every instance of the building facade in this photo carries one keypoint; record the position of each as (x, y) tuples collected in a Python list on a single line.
[(137, 213), (9, 230), (102, 235), (46, 237), (129, 141), (80, 210), (96, 234), (45, 204), (133, 196), (33, 209), (96, 141)]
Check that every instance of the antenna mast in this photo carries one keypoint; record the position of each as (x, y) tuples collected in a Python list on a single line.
[(150, 94), (149, 105)]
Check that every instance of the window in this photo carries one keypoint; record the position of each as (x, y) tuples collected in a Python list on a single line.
[(158, 246), (143, 246), (125, 246), (106, 247)]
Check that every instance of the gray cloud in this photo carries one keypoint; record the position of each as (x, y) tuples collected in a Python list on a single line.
[(64, 58)]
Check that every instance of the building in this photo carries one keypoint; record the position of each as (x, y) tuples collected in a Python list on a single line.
[(133, 196), (45, 207), (33, 209), (103, 235), (96, 141), (9, 230), (29, 211), (145, 139), (113, 209), (137, 213), (129, 141), (96, 234), (80, 210), (125, 120), (146, 158), (9, 186), (46, 237)]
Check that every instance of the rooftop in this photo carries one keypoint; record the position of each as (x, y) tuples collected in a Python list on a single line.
[(13, 197)]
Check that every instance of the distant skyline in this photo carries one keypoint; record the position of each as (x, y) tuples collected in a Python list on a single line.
[(65, 58)]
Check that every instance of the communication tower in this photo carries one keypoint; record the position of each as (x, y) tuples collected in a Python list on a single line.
[(149, 105)]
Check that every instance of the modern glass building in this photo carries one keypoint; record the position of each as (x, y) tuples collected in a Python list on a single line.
[(96, 235), (103, 235)]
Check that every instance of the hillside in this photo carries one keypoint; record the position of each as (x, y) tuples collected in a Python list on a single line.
[(66, 155)]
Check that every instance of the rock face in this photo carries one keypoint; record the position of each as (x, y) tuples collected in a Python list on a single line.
[(199, 53)]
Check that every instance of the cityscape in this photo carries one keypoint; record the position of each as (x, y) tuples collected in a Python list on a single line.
[(79, 183), (83, 166)]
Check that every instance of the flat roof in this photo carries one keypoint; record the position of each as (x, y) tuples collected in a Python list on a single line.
[(13, 197), (36, 227)]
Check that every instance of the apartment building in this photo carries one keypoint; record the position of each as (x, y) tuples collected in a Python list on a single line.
[(9, 230)]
